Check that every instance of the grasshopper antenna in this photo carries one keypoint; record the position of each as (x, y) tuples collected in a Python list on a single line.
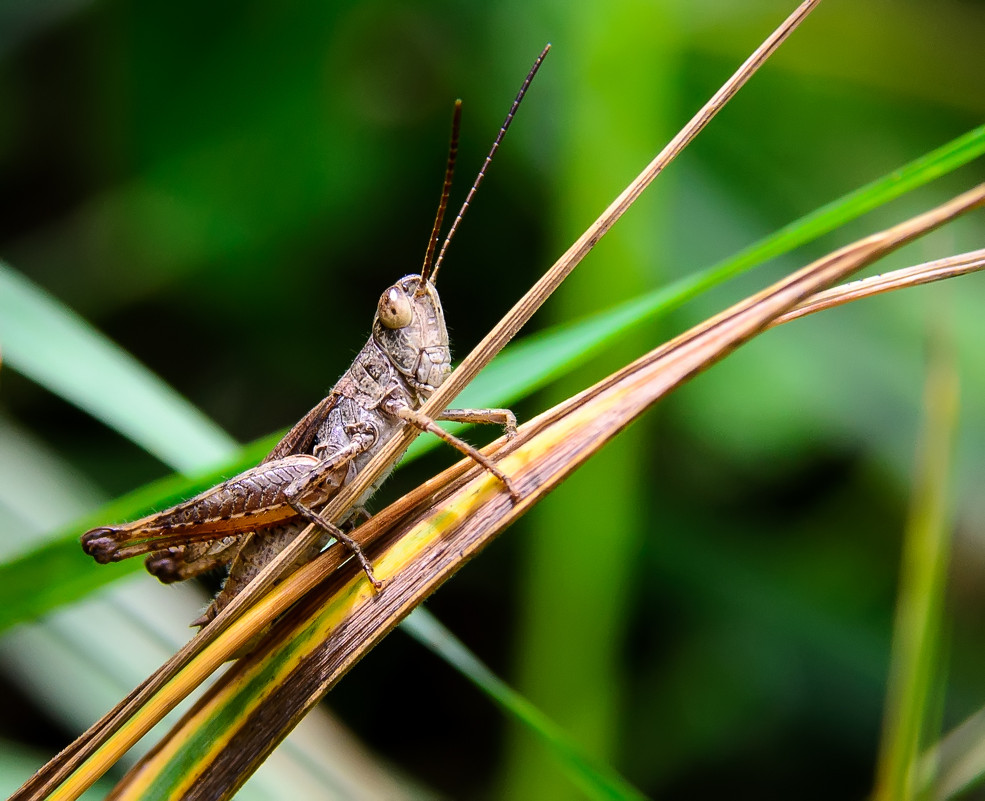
[(456, 124), (485, 164)]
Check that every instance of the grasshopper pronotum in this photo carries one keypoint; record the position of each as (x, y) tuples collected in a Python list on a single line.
[(246, 521)]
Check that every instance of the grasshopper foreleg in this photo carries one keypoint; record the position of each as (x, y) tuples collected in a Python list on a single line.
[(397, 409)]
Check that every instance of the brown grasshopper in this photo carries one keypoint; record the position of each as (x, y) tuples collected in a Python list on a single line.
[(246, 521)]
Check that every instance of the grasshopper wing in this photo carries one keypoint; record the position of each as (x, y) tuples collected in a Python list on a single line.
[(180, 562), (301, 438)]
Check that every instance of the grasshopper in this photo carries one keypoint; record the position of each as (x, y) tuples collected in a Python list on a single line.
[(244, 522)]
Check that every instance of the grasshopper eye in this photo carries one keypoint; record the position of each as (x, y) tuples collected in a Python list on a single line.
[(395, 310)]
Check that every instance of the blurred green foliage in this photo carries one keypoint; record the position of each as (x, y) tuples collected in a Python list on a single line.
[(224, 189)]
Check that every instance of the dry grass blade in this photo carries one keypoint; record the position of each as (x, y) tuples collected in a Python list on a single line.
[(75, 754), (926, 273), (234, 727)]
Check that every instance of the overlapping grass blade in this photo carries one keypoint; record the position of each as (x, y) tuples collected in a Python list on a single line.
[(58, 572), (50, 344), (595, 780)]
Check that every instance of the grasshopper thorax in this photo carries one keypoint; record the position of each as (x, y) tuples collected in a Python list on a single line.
[(409, 328)]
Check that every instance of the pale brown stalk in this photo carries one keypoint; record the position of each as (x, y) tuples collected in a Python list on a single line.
[(926, 273)]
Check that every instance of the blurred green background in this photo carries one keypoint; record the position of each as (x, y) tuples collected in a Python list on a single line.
[(225, 188)]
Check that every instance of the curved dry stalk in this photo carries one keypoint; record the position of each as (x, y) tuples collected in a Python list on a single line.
[(926, 273), (417, 545)]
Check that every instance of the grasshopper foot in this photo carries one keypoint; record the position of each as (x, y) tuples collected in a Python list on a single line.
[(100, 544), (163, 565), (514, 492), (353, 546), (509, 425)]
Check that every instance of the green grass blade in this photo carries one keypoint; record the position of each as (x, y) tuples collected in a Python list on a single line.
[(536, 361), (917, 173), (914, 668), (50, 344), (595, 780), (58, 572)]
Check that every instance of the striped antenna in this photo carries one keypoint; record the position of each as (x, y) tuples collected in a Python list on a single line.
[(456, 124), (485, 164)]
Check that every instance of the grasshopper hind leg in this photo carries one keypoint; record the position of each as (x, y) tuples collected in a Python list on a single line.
[(181, 562)]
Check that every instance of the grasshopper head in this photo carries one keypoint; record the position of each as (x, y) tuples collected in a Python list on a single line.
[(410, 328)]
